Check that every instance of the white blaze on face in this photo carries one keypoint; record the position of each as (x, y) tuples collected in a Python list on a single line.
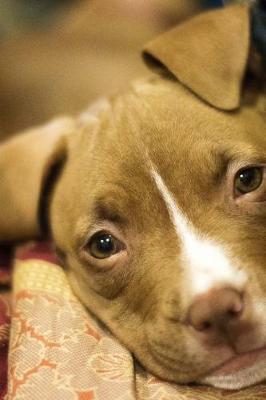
[(205, 263)]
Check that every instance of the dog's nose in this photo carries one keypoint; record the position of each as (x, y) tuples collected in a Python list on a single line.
[(217, 311)]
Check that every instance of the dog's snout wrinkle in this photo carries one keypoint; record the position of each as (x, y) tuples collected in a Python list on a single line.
[(218, 313)]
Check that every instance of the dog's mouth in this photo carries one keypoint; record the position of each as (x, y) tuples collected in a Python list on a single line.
[(239, 371)]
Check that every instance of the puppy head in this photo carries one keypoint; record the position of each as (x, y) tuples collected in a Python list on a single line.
[(159, 214)]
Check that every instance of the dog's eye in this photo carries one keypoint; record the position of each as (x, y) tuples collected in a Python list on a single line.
[(104, 245), (249, 179)]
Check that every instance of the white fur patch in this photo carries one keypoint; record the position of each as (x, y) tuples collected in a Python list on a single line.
[(205, 263)]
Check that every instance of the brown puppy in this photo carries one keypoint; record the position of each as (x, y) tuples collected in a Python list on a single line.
[(156, 201)]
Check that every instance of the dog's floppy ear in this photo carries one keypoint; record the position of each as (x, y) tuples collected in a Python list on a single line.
[(208, 54), (25, 163)]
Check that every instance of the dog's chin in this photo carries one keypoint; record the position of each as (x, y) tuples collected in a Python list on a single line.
[(239, 372)]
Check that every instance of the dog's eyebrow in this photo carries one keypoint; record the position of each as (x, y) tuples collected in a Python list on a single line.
[(113, 205), (108, 210), (219, 161), (217, 166)]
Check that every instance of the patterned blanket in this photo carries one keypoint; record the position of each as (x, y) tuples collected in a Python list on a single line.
[(58, 351)]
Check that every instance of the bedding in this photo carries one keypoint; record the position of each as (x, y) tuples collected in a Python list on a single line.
[(58, 350)]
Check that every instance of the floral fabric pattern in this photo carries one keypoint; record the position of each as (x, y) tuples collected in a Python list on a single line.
[(58, 351)]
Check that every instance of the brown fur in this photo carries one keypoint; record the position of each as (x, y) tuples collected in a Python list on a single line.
[(105, 183)]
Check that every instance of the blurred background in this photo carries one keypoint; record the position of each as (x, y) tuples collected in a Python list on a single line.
[(57, 56)]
